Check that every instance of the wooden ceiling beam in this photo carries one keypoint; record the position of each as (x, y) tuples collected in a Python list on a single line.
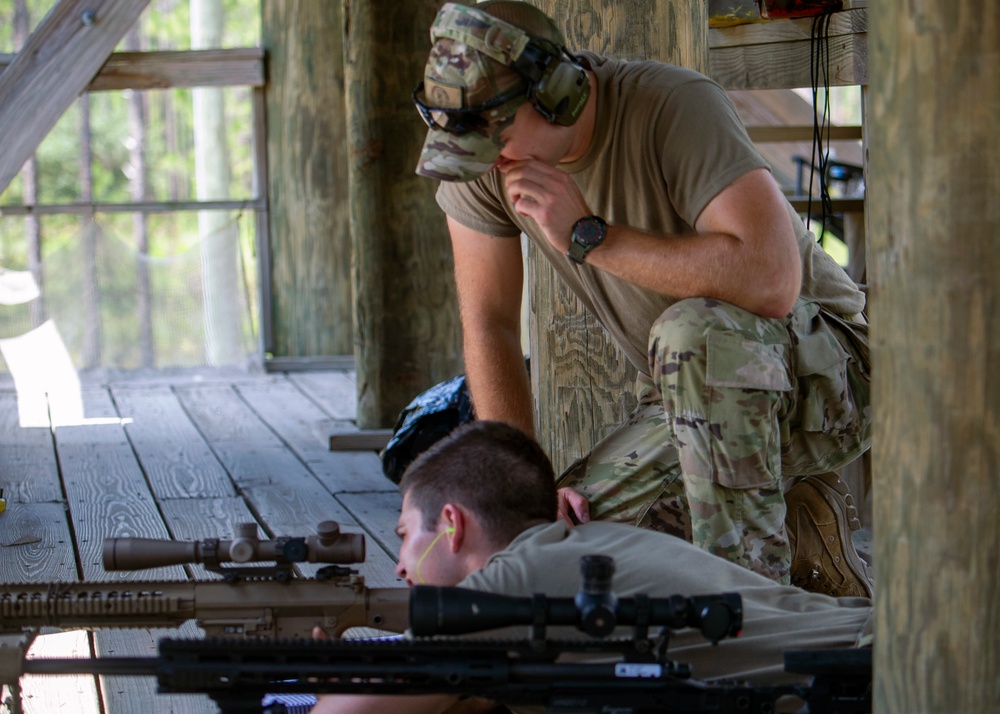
[(57, 63), (775, 55), (176, 68)]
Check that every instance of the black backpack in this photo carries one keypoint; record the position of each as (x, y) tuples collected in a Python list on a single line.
[(429, 417)]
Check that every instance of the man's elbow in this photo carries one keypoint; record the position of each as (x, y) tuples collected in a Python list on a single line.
[(780, 295)]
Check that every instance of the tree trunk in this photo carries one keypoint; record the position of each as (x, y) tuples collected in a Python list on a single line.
[(583, 385), (934, 166), (218, 235), (407, 327)]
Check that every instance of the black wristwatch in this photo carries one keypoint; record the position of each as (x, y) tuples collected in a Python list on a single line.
[(588, 233)]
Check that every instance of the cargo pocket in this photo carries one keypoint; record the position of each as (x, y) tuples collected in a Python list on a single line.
[(749, 381), (825, 401), (738, 362)]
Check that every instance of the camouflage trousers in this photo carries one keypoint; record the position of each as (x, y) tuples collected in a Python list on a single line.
[(737, 405)]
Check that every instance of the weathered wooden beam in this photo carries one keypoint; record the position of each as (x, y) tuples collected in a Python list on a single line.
[(848, 22), (368, 440), (57, 63), (766, 134), (934, 178), (191, 68), (840, 205), (165, 70), (776, 55), (81, 209)]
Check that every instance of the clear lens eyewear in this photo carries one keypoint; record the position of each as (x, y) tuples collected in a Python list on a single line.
[(465, 119)]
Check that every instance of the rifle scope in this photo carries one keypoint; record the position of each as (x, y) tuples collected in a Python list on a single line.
[(329, 545), (595, 610)]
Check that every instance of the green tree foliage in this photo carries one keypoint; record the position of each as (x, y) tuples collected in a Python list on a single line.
[(169, 169)]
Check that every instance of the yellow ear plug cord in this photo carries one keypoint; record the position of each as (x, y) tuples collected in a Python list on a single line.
[(420, 577)]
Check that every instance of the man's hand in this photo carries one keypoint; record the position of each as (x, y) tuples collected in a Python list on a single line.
[(546, 195), (572, 504)]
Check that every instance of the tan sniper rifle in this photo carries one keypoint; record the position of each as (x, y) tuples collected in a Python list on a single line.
[(251, 602)]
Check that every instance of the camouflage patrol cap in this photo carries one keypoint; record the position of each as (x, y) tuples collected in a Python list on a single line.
[(469, 66)]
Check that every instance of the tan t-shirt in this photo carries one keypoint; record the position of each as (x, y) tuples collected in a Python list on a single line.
[(545, 559), (667, 140)]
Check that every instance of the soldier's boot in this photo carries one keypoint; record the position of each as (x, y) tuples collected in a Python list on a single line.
[(820, 519)]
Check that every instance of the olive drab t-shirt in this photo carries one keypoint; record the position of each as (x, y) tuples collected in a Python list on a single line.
[(546, 560), (667, 140)]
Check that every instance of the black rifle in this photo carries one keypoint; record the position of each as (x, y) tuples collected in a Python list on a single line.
[(631, 674)]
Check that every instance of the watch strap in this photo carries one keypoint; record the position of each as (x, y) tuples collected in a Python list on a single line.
[(579, 247)]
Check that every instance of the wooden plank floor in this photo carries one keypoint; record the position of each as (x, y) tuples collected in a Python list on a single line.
[(182, 455)]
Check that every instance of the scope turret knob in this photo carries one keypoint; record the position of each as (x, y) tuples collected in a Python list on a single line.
[(328, 532), (245, 530)]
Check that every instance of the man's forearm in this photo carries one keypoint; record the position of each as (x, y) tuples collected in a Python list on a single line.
[(498, 380), (702, 265)]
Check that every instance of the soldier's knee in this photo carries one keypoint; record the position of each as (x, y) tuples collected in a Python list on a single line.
[(681, 332)]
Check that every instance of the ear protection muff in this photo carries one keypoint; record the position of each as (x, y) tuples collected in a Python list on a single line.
[(562, 87), (558, 85)]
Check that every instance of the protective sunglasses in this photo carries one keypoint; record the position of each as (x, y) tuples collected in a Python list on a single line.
[(465, 119)]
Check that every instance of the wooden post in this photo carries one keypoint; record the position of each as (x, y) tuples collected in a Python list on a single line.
[(408, 335), (935, 309), (582, 382), (310, 255)]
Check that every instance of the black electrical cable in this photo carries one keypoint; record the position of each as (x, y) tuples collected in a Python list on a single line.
[(819, 71)]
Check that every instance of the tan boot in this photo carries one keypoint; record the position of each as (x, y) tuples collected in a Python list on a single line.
[(820, 519)]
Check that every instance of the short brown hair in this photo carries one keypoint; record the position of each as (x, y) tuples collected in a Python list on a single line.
[(493, 469)]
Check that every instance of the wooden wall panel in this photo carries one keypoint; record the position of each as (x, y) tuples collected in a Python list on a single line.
[(581, 381)]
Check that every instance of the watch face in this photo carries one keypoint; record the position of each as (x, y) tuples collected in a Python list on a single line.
[(589, 232)]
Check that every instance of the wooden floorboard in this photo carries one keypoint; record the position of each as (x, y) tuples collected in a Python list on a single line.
[(127, 695), (379, 513), (35, 544), (334, 392), (182, 455), (28, 471), (174, 456), (291, 415), (77, 693)]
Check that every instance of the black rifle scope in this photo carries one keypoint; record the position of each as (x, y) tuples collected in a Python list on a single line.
[(595, 610)]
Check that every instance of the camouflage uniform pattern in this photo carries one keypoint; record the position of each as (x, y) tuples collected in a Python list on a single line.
[(739, 404), (469, 64)]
